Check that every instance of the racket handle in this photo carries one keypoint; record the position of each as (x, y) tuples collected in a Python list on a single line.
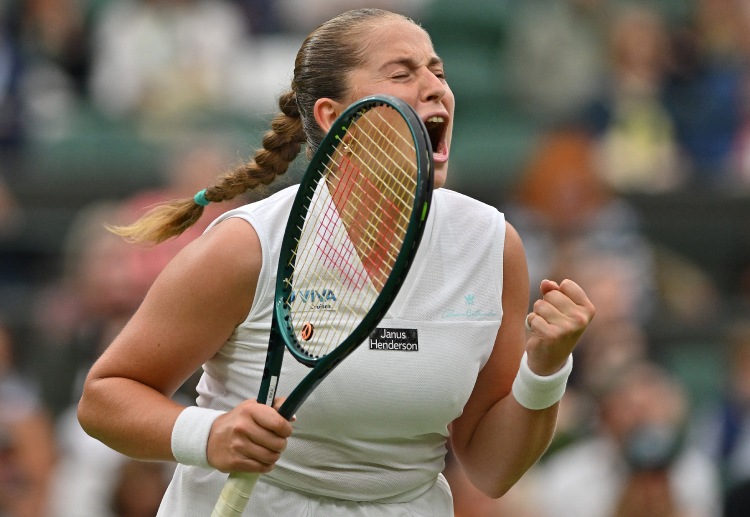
[(235, 494)]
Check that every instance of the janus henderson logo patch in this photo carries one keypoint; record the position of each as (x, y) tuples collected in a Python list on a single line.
[(402, 340)]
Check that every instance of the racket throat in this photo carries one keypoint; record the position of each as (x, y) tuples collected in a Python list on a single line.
[(273, 384), (272, 370)]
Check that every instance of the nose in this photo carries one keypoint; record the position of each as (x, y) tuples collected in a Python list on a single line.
[(433, 88)]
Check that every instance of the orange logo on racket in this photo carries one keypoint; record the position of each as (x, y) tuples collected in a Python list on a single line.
[(307, 331)]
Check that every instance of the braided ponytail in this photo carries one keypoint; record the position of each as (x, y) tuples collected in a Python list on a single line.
[(281, 145), (317, 74)]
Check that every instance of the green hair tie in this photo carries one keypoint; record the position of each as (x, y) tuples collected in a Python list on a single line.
[(200, 198)]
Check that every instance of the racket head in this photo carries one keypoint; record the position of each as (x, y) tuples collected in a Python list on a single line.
[(354, 229)]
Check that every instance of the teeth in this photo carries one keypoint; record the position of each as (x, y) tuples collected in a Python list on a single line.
[(436, 119)]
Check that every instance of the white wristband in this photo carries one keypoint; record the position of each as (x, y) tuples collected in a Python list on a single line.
[(534, 391), (190, 435)]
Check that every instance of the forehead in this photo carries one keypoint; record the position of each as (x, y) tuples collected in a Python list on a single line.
[(393, 37)]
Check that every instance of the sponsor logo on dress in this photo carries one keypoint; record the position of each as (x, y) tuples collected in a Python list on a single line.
[(400, 340), (469, 311)]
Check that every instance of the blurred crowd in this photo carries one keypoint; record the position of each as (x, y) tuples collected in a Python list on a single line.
[(633, 103)]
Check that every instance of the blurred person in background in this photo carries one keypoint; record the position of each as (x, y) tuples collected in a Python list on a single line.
[(741, 149), (261, 16), (571, 218), (723, 428), (302, 16), (12, 131), (12, 271), (139, 487), (54, 34), (27, 446), (165, 59), (53, 37), (77, 315), (636, 142), (76, 319), (189, 164), (553, 51), (637, 462), (566, 213), (704, 89), (106, 280)]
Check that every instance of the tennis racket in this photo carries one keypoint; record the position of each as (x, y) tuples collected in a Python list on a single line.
[(352, 234)]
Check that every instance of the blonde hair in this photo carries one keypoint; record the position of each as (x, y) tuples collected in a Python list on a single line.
[(321, 67)]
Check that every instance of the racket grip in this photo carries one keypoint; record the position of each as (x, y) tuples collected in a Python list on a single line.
[(235, 494)]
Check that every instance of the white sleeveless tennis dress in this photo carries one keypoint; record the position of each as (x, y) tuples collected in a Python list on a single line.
[(371, 439)]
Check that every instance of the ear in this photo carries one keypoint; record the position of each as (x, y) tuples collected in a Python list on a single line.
[(326, 111)]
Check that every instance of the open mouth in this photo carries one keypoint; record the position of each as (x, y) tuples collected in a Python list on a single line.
[(435, 129)]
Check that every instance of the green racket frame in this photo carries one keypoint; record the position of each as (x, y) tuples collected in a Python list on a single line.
[(316, 170)]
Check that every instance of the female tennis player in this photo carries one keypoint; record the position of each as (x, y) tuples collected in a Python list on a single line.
[(372, 438)]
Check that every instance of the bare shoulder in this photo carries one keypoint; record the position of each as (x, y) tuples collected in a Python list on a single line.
[(220, 267)]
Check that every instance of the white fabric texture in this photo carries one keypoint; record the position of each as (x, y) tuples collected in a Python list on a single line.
[(587, 478)]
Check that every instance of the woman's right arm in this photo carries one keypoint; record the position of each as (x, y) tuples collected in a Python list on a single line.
[(188, 314)]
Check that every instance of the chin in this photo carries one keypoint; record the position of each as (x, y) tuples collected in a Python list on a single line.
[(440, 177)]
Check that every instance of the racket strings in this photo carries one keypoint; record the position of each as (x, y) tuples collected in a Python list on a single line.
[(398, 179), (355, 233), (380, 136)]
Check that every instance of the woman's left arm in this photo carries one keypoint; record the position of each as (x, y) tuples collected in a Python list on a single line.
[(496, 439)]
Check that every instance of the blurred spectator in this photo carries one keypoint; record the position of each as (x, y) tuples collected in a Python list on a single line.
[(637, 463), (105, 278), (261, 15), (555, 55), (139, 488), (11, 70), (27, 445), (189, 167), (13, 276), (724, 430), (574, 225), (54, 40), (610, 347), (10, 211), (741, 157), (93, 480), (55, 31), (161, 59), (108, 277), (106, 281), (704, 89), (302, 16), (687, 295), (737, 502), (81, 313), (86, 476), (637, 143)]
